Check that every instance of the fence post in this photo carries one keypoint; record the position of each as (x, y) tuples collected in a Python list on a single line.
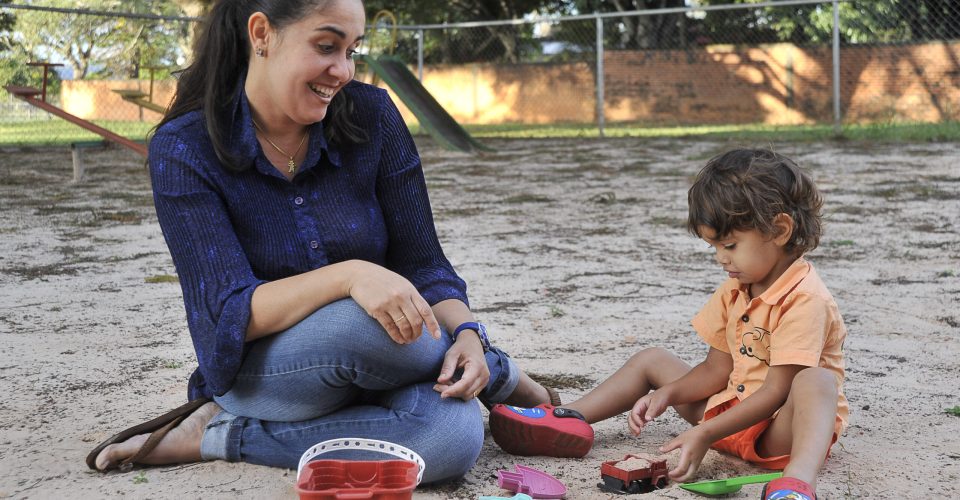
[(420, 54), (836, 68), (600, 80)]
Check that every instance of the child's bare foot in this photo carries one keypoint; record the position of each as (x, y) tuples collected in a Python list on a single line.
[(181, 444), (528, 393)]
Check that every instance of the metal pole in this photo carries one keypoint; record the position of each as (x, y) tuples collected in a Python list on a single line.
[(837, 129), (420, 54), (600, 80)]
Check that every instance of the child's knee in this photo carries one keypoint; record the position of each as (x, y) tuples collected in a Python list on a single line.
[(816, 380), (650, 354)]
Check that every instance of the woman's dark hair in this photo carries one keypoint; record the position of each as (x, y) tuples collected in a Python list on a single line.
[(221, 56), (746, 189)]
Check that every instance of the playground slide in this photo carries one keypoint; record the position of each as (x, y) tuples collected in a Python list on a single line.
[(428, 111), (29, 94)]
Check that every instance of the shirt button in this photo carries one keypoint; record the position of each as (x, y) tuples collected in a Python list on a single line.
[(745, 318), (743, 350), (740, 388), (314, 244), (298, 200)]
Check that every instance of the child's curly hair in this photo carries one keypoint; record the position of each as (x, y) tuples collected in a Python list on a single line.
[(745, 189)]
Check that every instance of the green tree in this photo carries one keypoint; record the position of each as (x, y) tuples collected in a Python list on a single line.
[(488, 43), (13, 68), (102, 46), (861, 22)]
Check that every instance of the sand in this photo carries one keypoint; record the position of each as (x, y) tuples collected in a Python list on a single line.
[(576, 257)]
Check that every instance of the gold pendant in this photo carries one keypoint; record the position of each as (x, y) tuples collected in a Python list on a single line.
[(293, 167)]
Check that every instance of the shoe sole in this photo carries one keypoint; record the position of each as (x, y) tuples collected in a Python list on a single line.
[(528, 437)]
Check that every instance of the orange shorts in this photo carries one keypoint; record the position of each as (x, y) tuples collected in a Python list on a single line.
[(744, 443)]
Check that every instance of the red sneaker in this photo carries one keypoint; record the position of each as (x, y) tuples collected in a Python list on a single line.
[(787, 488), (542, 430)]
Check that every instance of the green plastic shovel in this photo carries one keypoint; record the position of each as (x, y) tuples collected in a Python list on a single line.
[(729, 485)]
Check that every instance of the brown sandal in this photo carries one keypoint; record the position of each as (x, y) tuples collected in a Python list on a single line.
[(158, 427), (554, 396)]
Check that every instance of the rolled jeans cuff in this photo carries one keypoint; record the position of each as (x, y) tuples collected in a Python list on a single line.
[(221, 436), (500, 388)]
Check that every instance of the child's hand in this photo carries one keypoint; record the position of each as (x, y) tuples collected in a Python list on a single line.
[(693, 446), (645, 410)]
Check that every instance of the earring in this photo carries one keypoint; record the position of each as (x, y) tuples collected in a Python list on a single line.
[(260, 52)]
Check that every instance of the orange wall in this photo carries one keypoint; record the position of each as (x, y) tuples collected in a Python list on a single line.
[(95, 99), (783, 84), (776, 84)]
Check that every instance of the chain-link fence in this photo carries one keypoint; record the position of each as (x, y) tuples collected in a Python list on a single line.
[(781, 62)]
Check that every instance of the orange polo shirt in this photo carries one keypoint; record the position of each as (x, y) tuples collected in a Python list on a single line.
[(794, 322)]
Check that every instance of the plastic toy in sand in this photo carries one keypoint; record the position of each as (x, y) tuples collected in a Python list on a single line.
[(730, 484), (533, 482), (342, 479), (634, 474)]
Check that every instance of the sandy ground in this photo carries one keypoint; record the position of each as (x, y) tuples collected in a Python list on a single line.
[(576, 257)]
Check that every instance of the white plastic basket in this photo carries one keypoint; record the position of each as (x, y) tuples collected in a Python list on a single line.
[(363, 444)]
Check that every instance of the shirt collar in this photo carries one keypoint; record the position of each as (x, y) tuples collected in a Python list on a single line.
[(245, 147), (784, 284)]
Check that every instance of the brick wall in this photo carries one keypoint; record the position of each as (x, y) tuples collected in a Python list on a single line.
[(96, 99), (775, 84), (783, 84)]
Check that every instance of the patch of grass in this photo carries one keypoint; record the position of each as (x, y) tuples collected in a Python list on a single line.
[(125, 217), (171, 364), (57, 132), (661, 220), (946, 274), (563, 381), (54, 131), (140, 478), (527, 198), (955, 411), (915, 192), (162, 278), (556, 312), (755, 133), (840, 243)]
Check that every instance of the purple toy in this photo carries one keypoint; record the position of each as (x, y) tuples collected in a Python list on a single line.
[(536, 483)]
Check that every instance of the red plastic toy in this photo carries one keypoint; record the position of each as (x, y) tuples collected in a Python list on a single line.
[(356, 479), (634, 474), (342, 479)]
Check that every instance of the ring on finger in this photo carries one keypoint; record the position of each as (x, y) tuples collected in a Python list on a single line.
[(476, 393), (401, 318)]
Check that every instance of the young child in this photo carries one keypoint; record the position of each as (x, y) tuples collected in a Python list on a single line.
[(770, 388)]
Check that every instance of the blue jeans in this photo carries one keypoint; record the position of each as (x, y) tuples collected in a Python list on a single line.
[(338, 374)]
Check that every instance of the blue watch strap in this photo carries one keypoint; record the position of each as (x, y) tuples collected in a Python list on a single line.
[(475, 326)]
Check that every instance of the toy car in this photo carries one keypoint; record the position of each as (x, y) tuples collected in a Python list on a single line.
[(634, 474)]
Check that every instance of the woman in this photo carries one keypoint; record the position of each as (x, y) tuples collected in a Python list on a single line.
[(294, 205)]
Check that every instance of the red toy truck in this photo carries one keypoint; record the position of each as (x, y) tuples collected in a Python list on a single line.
[(634, 474)]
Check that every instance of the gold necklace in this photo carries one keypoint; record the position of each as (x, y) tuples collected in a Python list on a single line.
[(291, 165)]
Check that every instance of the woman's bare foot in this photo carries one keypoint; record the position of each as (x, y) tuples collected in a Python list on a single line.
[(181, 444), (528, 393)]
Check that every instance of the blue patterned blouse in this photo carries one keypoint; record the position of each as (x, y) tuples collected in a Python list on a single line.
[(229, 231)]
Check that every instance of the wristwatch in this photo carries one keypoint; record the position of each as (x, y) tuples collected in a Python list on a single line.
[(477, 327)]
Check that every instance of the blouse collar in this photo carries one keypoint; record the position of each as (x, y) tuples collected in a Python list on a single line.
[(245, 147)]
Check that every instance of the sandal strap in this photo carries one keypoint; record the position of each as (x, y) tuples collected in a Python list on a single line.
[(148, 445), (554, 396), (150, 426)]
